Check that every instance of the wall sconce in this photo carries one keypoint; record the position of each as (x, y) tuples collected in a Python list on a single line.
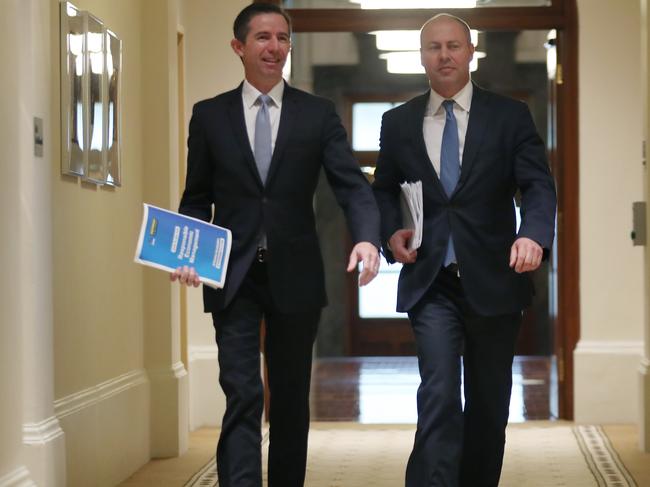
[(91, 72)]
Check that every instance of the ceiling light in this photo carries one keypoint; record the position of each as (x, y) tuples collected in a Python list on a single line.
[(408, 62), (406, 40), (404, 4)]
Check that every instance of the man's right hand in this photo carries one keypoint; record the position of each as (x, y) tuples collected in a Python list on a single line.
[(186, 275), (398, 245)]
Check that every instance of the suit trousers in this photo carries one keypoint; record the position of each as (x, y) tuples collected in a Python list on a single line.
[(456, 446), (289, 339)]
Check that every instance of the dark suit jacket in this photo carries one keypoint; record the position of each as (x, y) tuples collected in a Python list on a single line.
[(222, 172), (502, 152)]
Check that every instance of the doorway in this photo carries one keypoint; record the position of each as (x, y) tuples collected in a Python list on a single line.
[(561, 312)]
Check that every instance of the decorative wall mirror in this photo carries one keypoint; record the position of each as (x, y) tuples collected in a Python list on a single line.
[(91, 65)]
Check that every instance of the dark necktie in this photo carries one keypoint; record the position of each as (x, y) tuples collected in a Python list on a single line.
[(449, 164), (263, 146)]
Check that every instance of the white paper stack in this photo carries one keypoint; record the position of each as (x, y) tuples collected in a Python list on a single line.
[(412, 214)]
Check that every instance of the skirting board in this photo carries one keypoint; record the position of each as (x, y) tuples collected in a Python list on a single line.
[(207, 401), (42, 432), (107, 430), (644, 405), (44, 443), (95, 394), (606, 381), (17, 478)]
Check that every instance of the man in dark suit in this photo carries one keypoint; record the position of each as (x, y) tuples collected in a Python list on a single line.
[(465, 287), (255, 154)]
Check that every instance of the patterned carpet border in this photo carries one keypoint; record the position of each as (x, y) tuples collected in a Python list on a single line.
[(603, 461), (599, 455), (207, 475)]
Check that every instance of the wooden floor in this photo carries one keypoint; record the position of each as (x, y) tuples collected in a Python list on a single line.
[(383, 389)]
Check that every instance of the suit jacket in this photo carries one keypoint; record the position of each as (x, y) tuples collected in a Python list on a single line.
[(502, 153), (222, 173)]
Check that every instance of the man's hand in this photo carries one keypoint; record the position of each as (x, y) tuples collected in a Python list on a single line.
[(398, 244), (525, 255), (367, 253), (186, 275)]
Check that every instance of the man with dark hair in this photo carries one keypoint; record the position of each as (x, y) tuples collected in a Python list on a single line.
[(465, 287), (256, 153), (241, 26)]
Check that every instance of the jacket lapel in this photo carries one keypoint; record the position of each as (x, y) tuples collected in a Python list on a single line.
[(288, 115), (478, 119), (238, 124)]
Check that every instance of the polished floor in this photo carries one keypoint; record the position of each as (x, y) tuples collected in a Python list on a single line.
[(382, 389)]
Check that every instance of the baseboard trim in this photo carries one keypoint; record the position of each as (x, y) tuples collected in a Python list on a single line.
[(18, 478), (617, 347), (204, 352), (207, 404), (93, 395), (644, 366), (42, 432), (175, 371), (606, 386)]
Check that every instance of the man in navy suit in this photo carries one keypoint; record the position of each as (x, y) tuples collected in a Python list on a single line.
[(464, 289), (262, 188)]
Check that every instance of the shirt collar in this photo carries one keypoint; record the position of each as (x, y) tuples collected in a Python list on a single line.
[(463, 98), (250, 94)]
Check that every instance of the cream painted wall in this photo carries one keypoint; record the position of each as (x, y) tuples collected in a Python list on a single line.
[(211, 67), (101, 387), (12, 136), (169, 381), (644, 367), (611, 269), (611, 170), (97, 288), (121, 388)]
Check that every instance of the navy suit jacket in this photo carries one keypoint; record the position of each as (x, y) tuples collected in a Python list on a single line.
[(502, 153), (222, 174)]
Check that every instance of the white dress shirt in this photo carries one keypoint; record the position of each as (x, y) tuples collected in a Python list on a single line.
[(434, 122), (249, 95)]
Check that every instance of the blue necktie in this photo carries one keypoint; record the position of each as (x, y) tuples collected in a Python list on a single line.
[(263, 148), (449, 164)]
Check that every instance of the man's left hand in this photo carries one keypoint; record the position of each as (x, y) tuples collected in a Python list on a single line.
[(367, 253), (525, 255)]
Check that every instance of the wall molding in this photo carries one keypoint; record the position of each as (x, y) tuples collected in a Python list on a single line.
[(203, 352), (606, 384), (18, 478), (93, 395), (616, 347), (207, 404), (175, 371), (644, 366), (42, 432)]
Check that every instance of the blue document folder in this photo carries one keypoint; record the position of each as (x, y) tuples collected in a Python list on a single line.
[(169, 240)]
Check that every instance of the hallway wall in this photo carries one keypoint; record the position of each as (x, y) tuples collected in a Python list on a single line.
[(13, 153), (101, 386), (211, 67), (644, 367), (611, 174)]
